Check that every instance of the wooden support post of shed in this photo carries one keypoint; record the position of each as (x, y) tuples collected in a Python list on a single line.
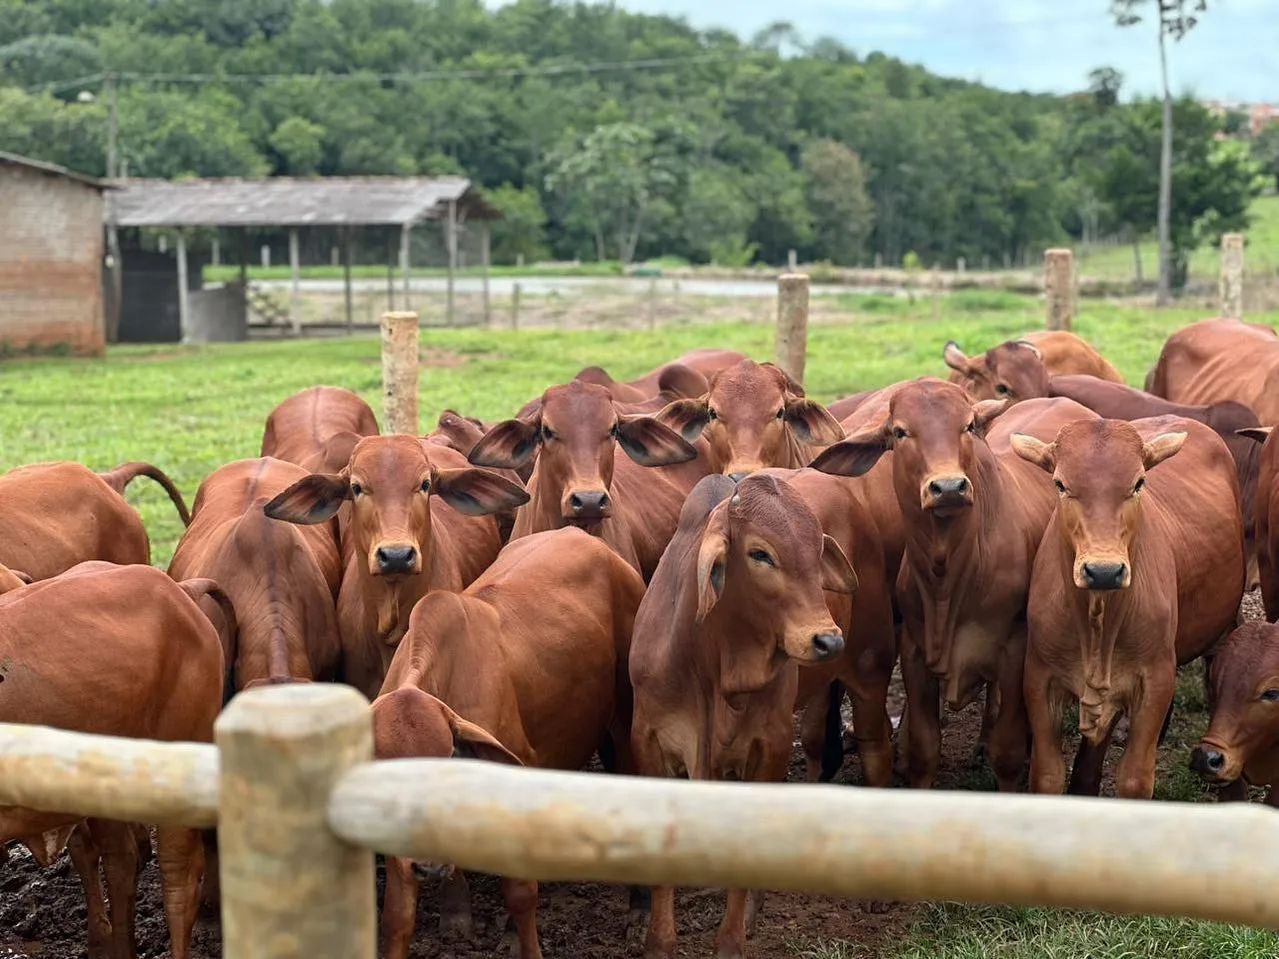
[(1231, 287), (406, 238), (295, 292), (1059, 288), (184, 306), (485, 254), (290, 887), (346, 279), (400, 372), (791, 346), (450, 238)]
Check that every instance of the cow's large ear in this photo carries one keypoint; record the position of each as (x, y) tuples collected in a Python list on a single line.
[(508, 445), (838, 574), (1258, 433), (686, 417), (788, 382), (1033, 450), (712, 561), (987, 410), (1027, 345), (812, 423), (650, 442), (955, 357), (1160, 448), (312, 499), (475, 742), (477, 492), (857, 455), (338, 449)]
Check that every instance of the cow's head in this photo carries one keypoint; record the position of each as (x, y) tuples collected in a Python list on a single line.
[(932, 428), (390, 481), (1011, 371), (1245, 714), (749, 417), (573, 431), (764, 560), (1099, 468), (410, 723)]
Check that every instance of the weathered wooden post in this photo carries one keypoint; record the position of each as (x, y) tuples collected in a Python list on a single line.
[(290, 887), (515, 306), (1231, 286), (295, 288), (399, 372), (652, 304), (1059, 288), (791, 347), (792, 260)]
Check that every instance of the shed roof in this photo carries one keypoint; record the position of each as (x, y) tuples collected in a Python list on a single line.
[(13, 159), (288, 201)]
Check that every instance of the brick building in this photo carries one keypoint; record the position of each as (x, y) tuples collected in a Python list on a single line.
[(51, 258)]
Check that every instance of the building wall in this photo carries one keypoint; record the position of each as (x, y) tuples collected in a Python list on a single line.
[(51, 248)]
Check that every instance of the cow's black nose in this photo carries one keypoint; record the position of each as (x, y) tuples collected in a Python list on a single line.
[(590, 502), (738, 477), (396, 559), (1105, 575), (1207, 761), (828, 645), (949, 486)]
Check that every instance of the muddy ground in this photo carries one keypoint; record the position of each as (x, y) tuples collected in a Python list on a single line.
[(42, 913)]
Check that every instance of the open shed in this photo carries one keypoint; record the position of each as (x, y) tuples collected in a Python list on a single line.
[(345, 203)]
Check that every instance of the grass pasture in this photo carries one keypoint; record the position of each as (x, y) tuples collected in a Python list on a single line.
[(191, 409)]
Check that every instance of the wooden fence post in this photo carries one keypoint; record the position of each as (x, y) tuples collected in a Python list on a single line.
[(652, 304), (1059, 288), (515, 306), (791, 346), (289, 886), (1231, 286), (399, 373)]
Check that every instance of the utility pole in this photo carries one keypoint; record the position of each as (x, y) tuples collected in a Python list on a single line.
[(113, 234)]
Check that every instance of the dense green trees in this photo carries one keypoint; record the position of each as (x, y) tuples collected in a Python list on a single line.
[(699, 144)]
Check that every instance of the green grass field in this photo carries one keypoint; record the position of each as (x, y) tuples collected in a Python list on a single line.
[(191, 409)]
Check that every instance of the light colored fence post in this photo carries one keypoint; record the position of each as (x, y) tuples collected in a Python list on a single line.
[(515, 306), (1232, 275), (1059, 288), (792, 260), (290, 888), (791, 347), (399, 372), (652, 304)]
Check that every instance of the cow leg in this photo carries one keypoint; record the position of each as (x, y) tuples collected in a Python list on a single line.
[(874, 729), (521, 904), (660, 941), (813, 734), (1085, 776), (120, 861), (1043, 709), (399, 908), (1135, 777), (1009, 729), (922, 690), (455, 906), (86, 858), (181, 857)]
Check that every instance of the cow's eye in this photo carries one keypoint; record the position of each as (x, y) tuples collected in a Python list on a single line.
[(1003, 390), (1061, 487), (899, 433), (548, 433), (711, 414), (1270, 696), (613, 432), (1139, 486), (426, 486), (971, 427), (762, 557), (357, 489), (781, 414)]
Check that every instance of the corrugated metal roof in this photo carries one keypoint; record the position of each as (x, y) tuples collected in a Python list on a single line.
[(53, 169), (286, 201)]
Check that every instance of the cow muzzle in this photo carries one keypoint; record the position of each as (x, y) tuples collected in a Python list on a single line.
[(392, 559), (1214, 763), (586, 506), (738, 470), (815, 645), (1103, 574), (946, 492)]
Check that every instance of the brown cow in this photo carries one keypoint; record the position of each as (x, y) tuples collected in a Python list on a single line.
[(1141, 570), (753, 416), (282, 579), (1019, 369), (684, 376), (500, 672), (735, 604), (117, 651), (11, 579), (1217, 360), (974, 513), (1266, 513), (317, 428), (1114, 401), (1242, 740), (399, 545), (56, 515), (578, 479)]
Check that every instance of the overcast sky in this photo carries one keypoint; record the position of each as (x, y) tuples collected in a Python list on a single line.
[(1039, 45)]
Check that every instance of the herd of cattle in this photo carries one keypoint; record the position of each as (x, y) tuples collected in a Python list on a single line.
[(664, 572)]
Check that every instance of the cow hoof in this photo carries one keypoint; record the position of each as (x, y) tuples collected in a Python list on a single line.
[(876, 907), (456, 925)]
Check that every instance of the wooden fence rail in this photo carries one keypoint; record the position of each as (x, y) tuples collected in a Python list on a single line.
[(1210, 862)]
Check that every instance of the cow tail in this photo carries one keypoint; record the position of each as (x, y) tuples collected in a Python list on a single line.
[(833, 741), (197, 589), (121, 476)]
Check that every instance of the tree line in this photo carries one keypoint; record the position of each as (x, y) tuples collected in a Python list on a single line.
[(606, 134)]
